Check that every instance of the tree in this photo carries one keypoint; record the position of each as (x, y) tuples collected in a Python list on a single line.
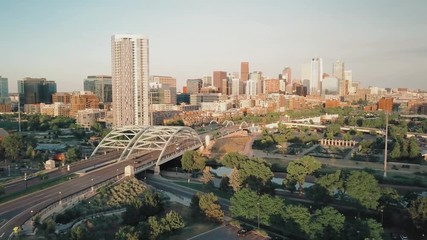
[(127, 233), (71, 155), (192, 161), (233, 159), (207, 176), (30, 153), (173, 221), (363, 188), (79, 233), (326, 223), (209, 206), (364, 229), (248, 204), (332, 182), (297, 219), (418, 212), (389, 196), (395, 153), (255, 173), (414, 149), (298, 169), (318, 194), (12, 145), (225, 183), (156, 228), (235, 181)]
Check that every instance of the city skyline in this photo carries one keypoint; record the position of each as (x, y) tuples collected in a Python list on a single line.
[(382, 44)]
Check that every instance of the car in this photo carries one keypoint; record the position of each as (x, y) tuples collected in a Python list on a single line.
[(243, 231), (403, 237)]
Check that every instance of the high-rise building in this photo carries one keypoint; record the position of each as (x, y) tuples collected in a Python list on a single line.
[(164, 80), (271, 86), (236, 87), (4, 90), (287, 75), (316, 76), (348, 76), (130, 78), (218, 76), (101, 86), (330, 86), (338, 72), (61, 97), (257, 77), (244, 71), (306, 76), (194, 85), (251, 87), (36, 90), (207, 81)]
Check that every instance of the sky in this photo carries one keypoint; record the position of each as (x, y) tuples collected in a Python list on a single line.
[(383, 42)]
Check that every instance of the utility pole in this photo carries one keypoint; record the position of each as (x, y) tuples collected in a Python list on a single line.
[(385, 147), (19, 112)]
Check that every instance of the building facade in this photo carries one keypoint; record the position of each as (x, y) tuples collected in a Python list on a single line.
[(130, 80), (4, 90), (218, 76), (36, 90), (244, 71), (194, 85), (101, 86)]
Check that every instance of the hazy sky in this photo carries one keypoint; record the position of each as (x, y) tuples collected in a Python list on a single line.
[(383, 42)]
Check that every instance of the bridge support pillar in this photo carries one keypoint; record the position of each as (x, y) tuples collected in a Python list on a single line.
[(129, 171), (156, 170)]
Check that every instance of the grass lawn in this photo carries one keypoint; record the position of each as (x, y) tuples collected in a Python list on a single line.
[(231, 144)]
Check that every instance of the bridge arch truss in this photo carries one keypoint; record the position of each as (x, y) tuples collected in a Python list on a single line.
[(134, 139)]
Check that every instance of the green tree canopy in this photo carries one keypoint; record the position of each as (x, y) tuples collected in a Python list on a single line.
[(193, 161), (363, 188), (418, 212), (298, 169), (326, 223), (12, 145), (207, 205), (233, 159)]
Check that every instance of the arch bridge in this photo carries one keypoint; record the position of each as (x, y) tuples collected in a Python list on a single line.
[(132, 142)]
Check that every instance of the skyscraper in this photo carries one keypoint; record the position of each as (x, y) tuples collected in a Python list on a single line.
[(130, 77), (36, 90), (218, 76), (207, 81), (4, 90), (244, 71), (338, 72), (316, 76), (101, 86), (194, 86)]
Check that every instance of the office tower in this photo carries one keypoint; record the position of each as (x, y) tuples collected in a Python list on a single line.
[(168, 85), (271, 86), (330, 86), (226, 86), (348, 76), (257, 77), (101, 86), (164, 80), (194, 85), (338, 72), (61, 98), (244, 71), (287, 75), (36, 90), (207, 81), (4, 90), (130, 72), (251, 87), (237, 87), (316, 75), (306, 75), (218, 76)]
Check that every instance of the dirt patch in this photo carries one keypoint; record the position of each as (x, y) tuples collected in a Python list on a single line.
[(230, 144)]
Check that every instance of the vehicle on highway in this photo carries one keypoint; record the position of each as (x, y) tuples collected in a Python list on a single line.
[(403, 237), (243, 231)]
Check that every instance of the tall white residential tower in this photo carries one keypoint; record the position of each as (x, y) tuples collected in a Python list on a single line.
[(130, 78)]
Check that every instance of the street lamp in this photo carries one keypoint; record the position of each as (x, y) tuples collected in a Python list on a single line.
[(117, 176), (25, 178), (32, 216), (176, 170), (358, 234), (92, 184), (382, 217), (60, 198)]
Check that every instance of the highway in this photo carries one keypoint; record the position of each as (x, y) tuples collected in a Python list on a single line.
[(17, 211), (16, 186)]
